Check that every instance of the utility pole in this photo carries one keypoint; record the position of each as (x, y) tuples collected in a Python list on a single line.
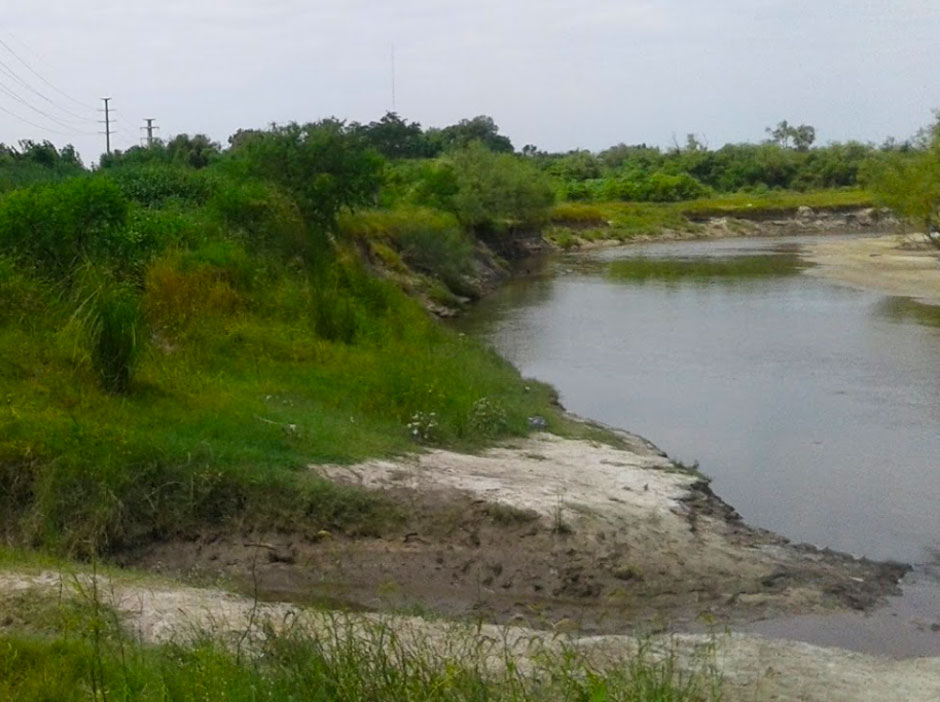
[(107, 123), (149, 129)]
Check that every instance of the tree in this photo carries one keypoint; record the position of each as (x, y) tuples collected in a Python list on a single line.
[(802, 136), (498, 192), (480, 129), (393, 137), (196, 151), (324, 165), (909, 183)]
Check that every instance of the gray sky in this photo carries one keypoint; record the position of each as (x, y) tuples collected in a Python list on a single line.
[(560, 74)]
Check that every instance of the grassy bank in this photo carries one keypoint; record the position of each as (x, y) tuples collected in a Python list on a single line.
[(573, 222), (177, 345)]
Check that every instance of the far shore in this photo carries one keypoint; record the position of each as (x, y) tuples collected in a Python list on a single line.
[(904, 265)]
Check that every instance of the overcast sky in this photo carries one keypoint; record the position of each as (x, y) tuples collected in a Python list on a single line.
[(560, 74)]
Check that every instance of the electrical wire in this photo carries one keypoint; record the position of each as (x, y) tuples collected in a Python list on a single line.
[(6, 89), (5, 68), (64, 94), (45, 129)]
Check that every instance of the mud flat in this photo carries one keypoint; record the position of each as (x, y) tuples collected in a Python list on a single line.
[(549, 532), (902, 265)]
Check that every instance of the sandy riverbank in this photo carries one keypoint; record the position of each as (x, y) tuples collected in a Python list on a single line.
[(899, 264)]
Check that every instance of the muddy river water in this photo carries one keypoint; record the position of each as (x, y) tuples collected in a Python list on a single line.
[(815, 408)]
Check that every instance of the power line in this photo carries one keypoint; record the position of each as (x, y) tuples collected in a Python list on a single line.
[(5, 68), (39, 76), (39, 126), (5, 89)]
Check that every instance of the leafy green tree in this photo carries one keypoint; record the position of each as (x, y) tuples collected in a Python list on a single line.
[(324, 165), (196, 151), (394, 137), (802, 136), (497, 193), (480, 129), (909, 183)]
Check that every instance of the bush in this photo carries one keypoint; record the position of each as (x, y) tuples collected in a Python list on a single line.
[(499, 191), (264, 218), (110, 314), (57, 226), (157, 185)]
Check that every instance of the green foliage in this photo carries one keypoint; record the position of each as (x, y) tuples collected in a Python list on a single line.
[(909, 183), (481, 129), (802, 136), (265, 218), (159, 185), (656, 187), (497, 192), (324, 166), (56, 226), (424, 183), (34, 163), (196, 151), (394, 137), (109, 314)]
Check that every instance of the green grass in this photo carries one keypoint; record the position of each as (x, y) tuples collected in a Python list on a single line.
[(776, 201), (673, 269), (575, 223), (241, 388), (76, 649)]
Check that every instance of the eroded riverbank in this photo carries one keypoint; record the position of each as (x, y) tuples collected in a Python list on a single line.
[(551, 532)]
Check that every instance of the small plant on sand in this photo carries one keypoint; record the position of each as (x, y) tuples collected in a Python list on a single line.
[(423, 427), (487, 418)]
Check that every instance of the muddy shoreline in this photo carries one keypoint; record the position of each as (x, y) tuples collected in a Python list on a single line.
[(548, 532)]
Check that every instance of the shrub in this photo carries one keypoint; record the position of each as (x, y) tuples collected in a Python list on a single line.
[(157, 185), (499, 190), (264, 218), (57, 226), (110, 314), (176, 296)]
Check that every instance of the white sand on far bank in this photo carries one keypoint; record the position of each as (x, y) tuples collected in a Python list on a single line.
[(898, 264)]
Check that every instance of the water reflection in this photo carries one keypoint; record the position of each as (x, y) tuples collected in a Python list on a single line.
[(813, 406)]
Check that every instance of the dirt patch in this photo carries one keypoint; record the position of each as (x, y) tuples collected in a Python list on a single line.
[(902, 265), (551, 532)]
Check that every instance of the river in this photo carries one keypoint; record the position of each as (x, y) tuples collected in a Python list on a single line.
[(814, 407)]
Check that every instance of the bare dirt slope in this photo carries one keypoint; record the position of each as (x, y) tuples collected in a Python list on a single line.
[(752, 668)]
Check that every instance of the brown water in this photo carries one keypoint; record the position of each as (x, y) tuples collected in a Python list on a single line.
[(815, 408)]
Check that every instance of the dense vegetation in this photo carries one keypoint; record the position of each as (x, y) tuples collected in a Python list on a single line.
[(184, 330)]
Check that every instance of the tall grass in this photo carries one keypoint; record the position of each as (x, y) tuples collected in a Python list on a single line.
[(75, 649)]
